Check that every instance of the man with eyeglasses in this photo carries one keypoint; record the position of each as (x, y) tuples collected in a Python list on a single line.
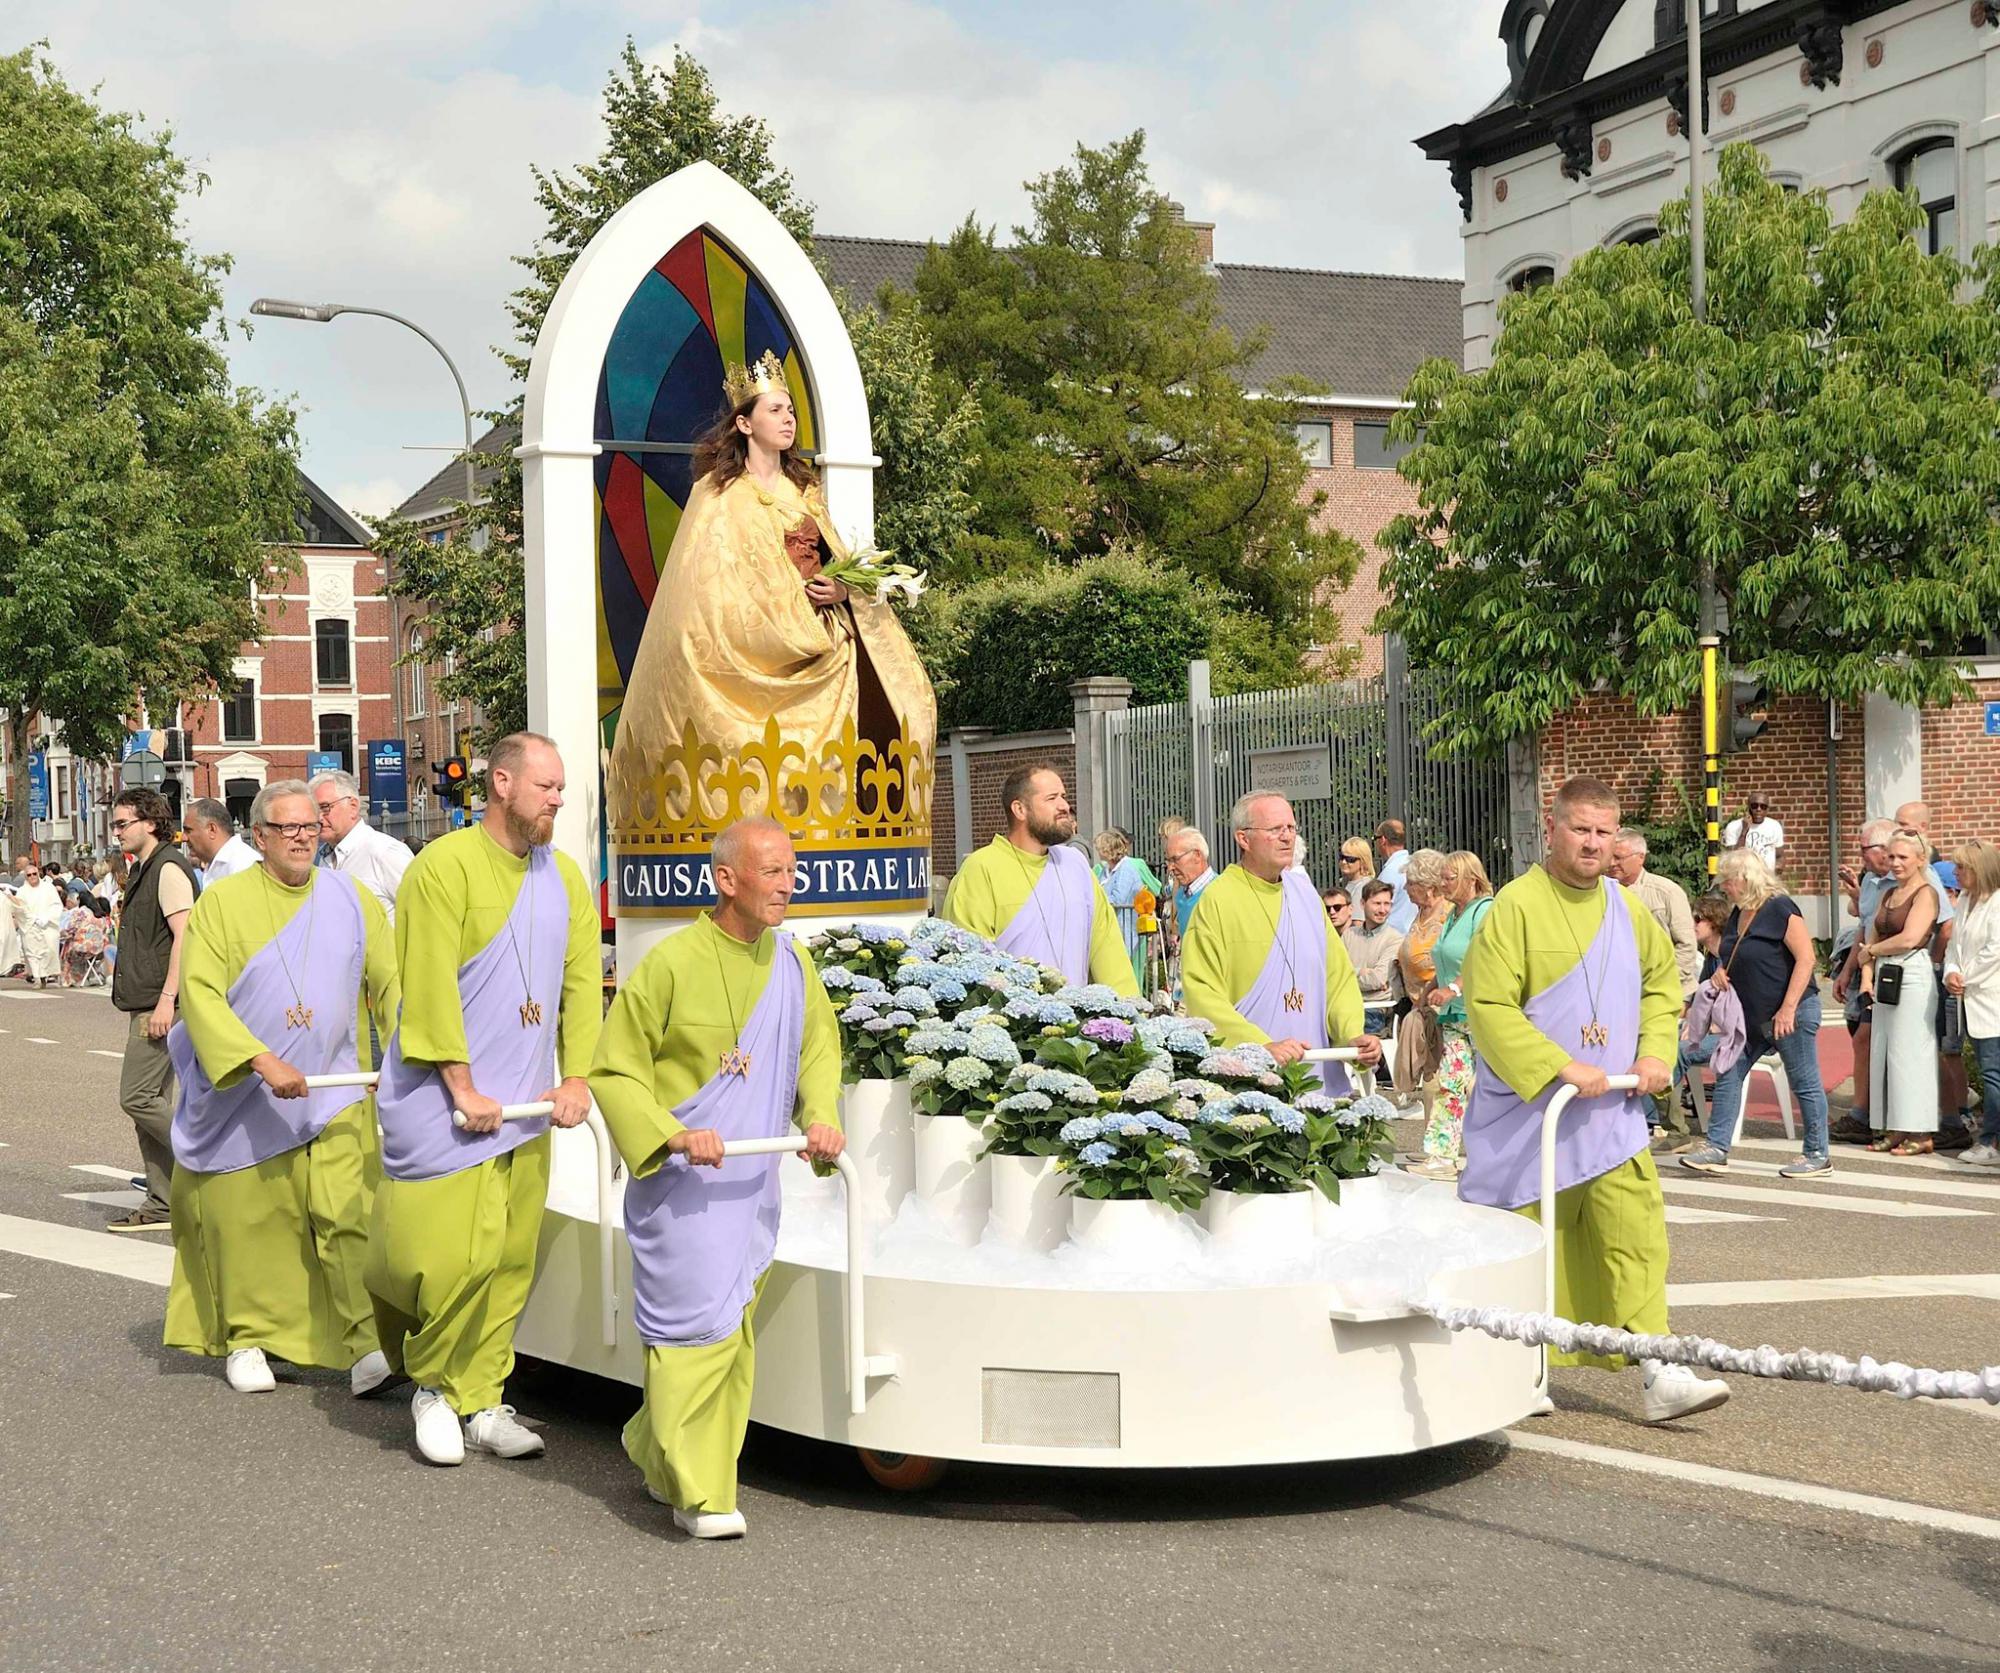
[(1392, 843), (1261, 962), (145, 985), (373, 858), (1757, 831), (38, 909), (1188, 867), (282, 966), (214, 843)]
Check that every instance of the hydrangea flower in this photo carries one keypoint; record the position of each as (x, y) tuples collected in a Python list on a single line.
[(878, 1025), (1108, 1031), (1060, 1083), (1321, 1103), (1188, 1042), (874, 934), (848, 944), (993, 1045), (971, 1014), (922, 1070), (1249, 1121), (1204, 1090), (1149, 1086), (858, 1014), (1217, 1114), (964, 1073), (1097, 1155), (1080, 1129), (917, 1000), (900, 1019), (1374, 1107), (834, 979), (1028, 1103), (869, 984)]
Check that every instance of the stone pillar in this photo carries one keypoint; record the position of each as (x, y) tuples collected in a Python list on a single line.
[(1094, 697), (1524, 802), (960, 740)]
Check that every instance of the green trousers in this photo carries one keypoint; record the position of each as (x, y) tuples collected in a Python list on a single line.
[(450, 1263), (271, 1256), (687, 1436), (1611, 1255)]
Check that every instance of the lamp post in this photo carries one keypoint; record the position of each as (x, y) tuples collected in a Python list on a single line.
[(319, 313), (1710, 640)]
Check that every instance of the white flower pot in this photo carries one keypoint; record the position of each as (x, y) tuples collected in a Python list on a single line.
[(876, 1117), (1267, 1225), (951, 1177), (1029, 1208), (1134, 1229), (1365, 1200)]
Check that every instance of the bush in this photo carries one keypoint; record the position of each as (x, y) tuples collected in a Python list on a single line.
[(1002, 652), (1676, 835)]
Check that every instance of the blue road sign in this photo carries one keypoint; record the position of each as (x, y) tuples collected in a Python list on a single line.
[(1993, 720), (38, 785), (323, 761), (388, 776)]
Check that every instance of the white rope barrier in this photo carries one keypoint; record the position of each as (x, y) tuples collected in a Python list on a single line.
[(1804, 1365)]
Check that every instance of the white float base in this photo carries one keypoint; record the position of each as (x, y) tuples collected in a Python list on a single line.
[(1194, 1372), (952, 1177), (881, 1139), (1029, 1209), (1272, 1225)]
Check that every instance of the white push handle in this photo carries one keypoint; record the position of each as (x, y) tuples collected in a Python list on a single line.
[(1551, 1119), (1341, 1054), (601, 1140)]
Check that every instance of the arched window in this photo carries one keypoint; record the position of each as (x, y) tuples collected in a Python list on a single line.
[(1638, 235), (1930, 169), (1531, 278), (420, 678)]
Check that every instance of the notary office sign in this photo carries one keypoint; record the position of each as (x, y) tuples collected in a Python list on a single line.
[(1299, 775)]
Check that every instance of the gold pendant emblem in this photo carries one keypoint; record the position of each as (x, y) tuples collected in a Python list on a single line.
[(531, 1013), (1596, 1034), (735, 1062), (1294, 1000), (298, 1016)]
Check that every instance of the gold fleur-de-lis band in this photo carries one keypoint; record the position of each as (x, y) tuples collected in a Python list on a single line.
[(1294, 1000), (298, 1016), (1596, 1034), (735, 1062), (531, 1013)]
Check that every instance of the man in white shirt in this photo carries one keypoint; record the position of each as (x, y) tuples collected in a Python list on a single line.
[(1392, 845), (213, 843), (373, 857), (1759, 833)]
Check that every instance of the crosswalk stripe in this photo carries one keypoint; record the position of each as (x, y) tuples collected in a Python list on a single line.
[(1679, 1216), (147, 1257), (1870, 1158), (102, 1169), (1763, 1292), (1850, 1180), (99, 1051), (108, 1199), (1816, 1196), (37, 1040)]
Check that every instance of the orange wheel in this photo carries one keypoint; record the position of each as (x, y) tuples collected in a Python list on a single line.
[(902, 1472)]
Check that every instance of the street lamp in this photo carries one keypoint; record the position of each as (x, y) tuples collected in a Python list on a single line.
[(319, 313)]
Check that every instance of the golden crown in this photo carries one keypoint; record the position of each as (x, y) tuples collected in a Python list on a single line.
[(760, 377)]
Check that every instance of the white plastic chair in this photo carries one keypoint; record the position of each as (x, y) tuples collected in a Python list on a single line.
[(1771, 1064)]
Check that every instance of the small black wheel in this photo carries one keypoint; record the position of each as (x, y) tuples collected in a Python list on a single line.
[(902, 1472)]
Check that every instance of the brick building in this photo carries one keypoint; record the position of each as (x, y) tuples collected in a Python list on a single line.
[(1358, 337), (319, 680)]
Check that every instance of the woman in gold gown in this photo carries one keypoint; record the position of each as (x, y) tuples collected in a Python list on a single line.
[(745, 629)]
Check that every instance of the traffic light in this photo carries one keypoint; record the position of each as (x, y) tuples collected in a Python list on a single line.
[(449, 778), (1747, 715)]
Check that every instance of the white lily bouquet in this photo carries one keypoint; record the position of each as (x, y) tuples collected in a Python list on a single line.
[(869, 570)]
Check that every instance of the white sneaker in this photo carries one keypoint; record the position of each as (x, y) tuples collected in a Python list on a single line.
[(249, 1372), (368, 1373), (496, 1431), (1673, 1391), (439, 1436), (1981, 1155), (710, 1524)]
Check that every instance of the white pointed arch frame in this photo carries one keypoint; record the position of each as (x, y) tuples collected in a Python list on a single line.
[(559, 445)]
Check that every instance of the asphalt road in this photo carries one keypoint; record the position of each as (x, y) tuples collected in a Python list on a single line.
[(151, 1519)]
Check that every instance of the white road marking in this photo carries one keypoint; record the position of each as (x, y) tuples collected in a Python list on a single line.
[(99, 1051), (1968, 1184), (1769, 1487), (146, 1256), (1977, 1286), (37, 1040), (1812, 1196), (1873, 1158), (102, 1169), (1679, 1216), (108, 1199)]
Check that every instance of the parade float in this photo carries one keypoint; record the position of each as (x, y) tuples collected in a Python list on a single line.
[(1068, 1229)]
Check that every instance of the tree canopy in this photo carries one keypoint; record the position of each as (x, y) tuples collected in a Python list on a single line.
[(1113, 410), (1827, 440), (139, 490)]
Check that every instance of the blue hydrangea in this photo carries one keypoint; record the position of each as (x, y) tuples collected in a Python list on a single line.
[(971, 1014), (1097, 1155), (900, 1019), (933, 1041), (993, 1045), (1187, 1042), (948, 990), (835, 980), (964, 1073), (1374, 1107), (1217, 1113), (1079, 1129), (1320, 1103), (1157, 1031), (1060, 1083), (878, 1025), (922, 1070), (869, 984), (857, 1014), (917, 1000), (1028, 1103), (874, 934), (1149, 1086)]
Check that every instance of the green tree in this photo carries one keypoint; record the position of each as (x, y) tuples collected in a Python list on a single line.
[(658, 121), (1826, 440), (1113, 407), (139, 491)]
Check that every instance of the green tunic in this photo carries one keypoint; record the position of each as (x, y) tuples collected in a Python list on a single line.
[(451, 1260), (1531, 937), (994, 884), (683, 1007), (271, 1256), (1224, 950)]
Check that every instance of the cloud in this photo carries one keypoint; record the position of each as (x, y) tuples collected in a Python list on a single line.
[(376, 497)]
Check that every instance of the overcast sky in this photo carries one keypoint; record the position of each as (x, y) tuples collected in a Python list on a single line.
[(378, 151)]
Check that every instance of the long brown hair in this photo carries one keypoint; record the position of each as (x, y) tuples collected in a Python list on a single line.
[(724, 451)]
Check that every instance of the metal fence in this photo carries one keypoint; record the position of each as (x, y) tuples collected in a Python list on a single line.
[(1193, 760)]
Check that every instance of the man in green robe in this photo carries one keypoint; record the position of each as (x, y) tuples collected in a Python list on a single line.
[(1261, 961), (1032, 895), (282, 967), (723, 1033), (502, 980), (1570, 981)]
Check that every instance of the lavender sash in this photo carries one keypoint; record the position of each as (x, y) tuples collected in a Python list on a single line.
[(702, 1237), (1296, 964), (1053, 925), (217, 1131), (510, 1063), (1503, 1132)]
